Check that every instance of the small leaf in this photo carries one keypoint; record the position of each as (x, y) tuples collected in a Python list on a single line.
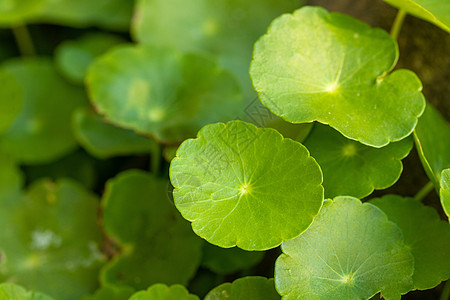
[(104, 140), (351, 251), (445, 191), (49, 239), (314, 65), (9, 291), (11, 100), (156, 244), (248, 288), (74, 57), (163, 292), (160, 92), (246, 186), (42, 130), (427, 237), (432, 137), (111, 292), (434, 11), (351, 168), (228, 261)]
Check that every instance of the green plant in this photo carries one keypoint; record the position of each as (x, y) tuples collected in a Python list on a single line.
[(92, 128)]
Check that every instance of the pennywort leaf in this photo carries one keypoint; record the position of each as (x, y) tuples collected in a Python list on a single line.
[(11, 100), (351, 251), (249, 288), (445, 191), (314, 65), (10, 291), (163, 292), (111, 292), (246, 186)]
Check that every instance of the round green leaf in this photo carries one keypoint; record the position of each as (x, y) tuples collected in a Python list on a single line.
[(434, 11), (432, 137), (248, 288), (445, 191), (17, 12), (50, 239), (351, 251), (156, 244), (246, 186), (351, 168), (105, 140), (42, 131), (228, 261), (111, 292), (9, 291), (163, 292), (226, 29), (74, 57), (160, 92), (314, 65), (11, 100), (115, 15), (425, 235)]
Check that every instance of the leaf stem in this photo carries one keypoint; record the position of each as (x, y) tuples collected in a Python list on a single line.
[(445, 295), (424, 191), (23, 39), (398, 22)]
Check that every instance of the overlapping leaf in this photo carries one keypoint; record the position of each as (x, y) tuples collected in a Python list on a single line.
[(351, 251), (111, 292), (157, 245), (249, 288), (9, 291), (314, 65), (445, 191), (351, 168), (434, 11), (11, 178), (226, 29), (42, 130), (425, 235), (160, 92), (74, 57), (228, 261), (163, 292), (49, 239), (246, 186), (11, 100), (105, 140)]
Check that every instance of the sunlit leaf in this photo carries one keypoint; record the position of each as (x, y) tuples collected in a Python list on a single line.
[(246, 186), (426, 235), (226, 29), (157, 245), (351, 168), (167, 94), (314, 65), (42, 130), (434, 11), (11, 100), (228, 261), (49, 239), (445, 191), (163, 292), (249, 288), (74, 57), (351, 251), (105, 140), (9, 291)]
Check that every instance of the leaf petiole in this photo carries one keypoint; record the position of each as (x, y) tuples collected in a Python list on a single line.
[(23, 39), (398, 22), (445, 295), (424, 191)]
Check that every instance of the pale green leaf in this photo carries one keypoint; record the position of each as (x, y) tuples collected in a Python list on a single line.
[(246, 288), (351, 251), (329, 67), (164, 93), (156, 244), (163, 292), (42, 130), (9, 291), (50, 240), (246, 186), (445, 191), (434, 11), (104, 140), (351, 168), (426, 235)]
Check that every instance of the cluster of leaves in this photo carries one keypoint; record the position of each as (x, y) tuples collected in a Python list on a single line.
[(81, 218)]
